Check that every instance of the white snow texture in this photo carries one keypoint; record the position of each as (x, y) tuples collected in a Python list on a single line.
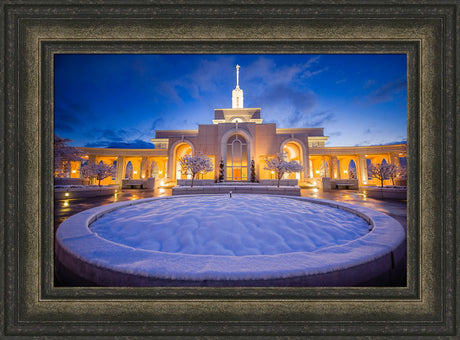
[(237, 226)]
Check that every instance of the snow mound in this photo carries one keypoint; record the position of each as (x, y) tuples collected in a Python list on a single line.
[(238, 226)]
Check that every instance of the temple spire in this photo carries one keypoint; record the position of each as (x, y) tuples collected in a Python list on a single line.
[(237, 94), (237, 76)]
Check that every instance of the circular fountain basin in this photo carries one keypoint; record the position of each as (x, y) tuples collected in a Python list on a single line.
[(215, 240)]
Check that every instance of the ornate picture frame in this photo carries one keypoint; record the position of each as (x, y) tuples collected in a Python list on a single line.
[(34, 30)]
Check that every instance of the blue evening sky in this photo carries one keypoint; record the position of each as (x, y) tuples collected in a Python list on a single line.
[(120, 100)]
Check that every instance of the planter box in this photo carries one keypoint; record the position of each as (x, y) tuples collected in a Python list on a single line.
[(84, 191), (390, 193)]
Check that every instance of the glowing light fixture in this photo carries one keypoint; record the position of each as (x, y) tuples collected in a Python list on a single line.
[(317, 171), (160, 172), (67, 194), (143, 176), (74, 171), (66, 203), (345, 171), (135, 172)]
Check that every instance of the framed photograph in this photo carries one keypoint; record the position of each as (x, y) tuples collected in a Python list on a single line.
[(40, 36), (327, 127)]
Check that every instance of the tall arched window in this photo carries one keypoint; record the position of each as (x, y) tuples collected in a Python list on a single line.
[(352, 170), (324, 169), (237, 158), (129, 170), (153, 169)]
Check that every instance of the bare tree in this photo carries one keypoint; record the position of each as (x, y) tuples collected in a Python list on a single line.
[(382, 172), (278, 165), (64, 154), (98, 171), (195, 164)]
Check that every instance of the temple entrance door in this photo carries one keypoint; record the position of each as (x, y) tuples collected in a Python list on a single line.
[(237, 158), (237, 174)]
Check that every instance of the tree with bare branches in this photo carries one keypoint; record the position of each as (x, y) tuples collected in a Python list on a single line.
[(383, 171), (98, 171), (279, 166), (195, 164), (63, 155)]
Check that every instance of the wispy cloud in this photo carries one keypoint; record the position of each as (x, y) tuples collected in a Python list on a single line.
[(129, 144), (387, 91), (369, 84), (68, 116)]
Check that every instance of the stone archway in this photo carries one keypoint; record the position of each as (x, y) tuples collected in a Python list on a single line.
[(180, 150), (297, 151)]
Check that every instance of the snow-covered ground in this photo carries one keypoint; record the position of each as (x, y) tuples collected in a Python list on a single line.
[(238, 226), (314, 236)]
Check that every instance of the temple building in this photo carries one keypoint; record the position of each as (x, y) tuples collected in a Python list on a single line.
[(237, 136)]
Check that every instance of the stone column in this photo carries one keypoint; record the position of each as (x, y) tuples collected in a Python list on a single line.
[(362, 175), (171, 162), (334, 168), (144, 167), (327, 159), (306, 162), (91, 159), (394, 159), (120, 170)]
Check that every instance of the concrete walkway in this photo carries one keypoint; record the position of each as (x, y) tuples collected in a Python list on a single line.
[(393, 208)]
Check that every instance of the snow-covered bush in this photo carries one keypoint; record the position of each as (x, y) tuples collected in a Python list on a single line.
[(279, 166), (195, 164), (97, 171), (221, 171), (253, 171)]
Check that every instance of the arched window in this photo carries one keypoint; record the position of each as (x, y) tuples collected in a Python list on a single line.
[(237, 158), (384, 162), (368, 165), (129, 170), (153, 169), (352, 170), (324, 169)]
